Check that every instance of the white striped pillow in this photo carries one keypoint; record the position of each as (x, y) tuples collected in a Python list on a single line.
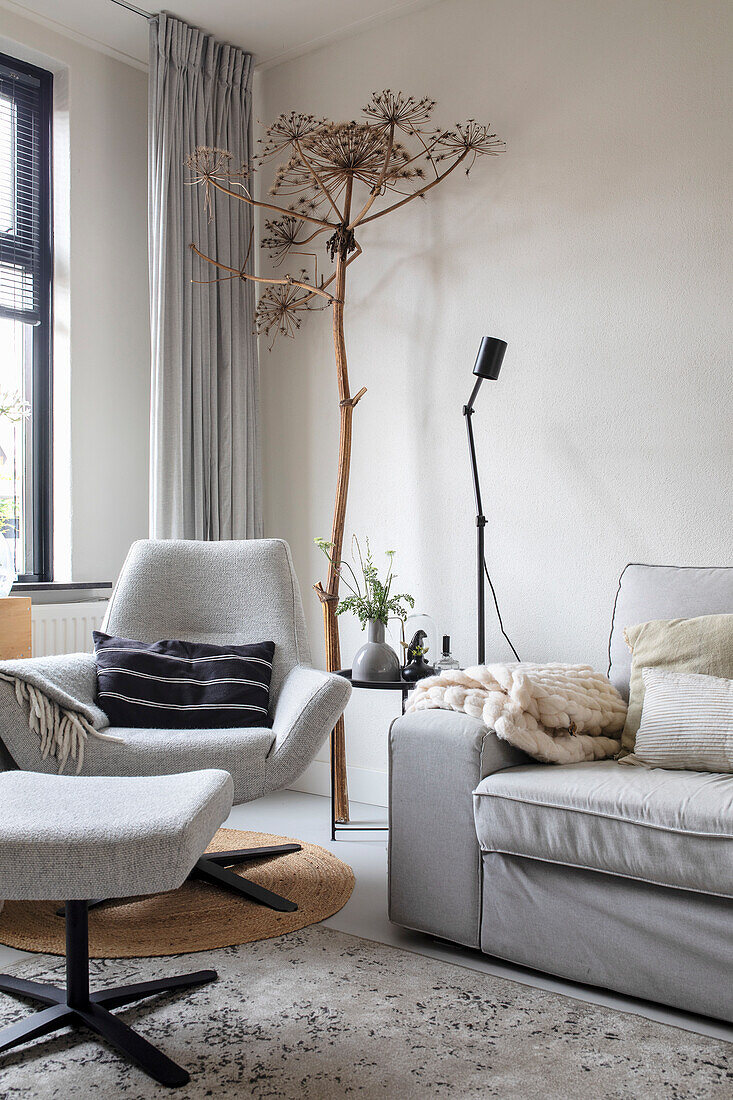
[(686, 722)]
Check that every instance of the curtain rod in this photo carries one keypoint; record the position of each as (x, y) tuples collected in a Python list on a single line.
[(131, 7)]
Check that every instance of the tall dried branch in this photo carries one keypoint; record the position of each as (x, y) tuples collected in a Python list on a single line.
[(246, 276), (394, 155)]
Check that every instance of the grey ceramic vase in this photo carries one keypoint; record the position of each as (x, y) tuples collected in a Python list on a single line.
[(376, 661)]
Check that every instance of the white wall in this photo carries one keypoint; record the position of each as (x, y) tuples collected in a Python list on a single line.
[(102, 358), (598, 246)]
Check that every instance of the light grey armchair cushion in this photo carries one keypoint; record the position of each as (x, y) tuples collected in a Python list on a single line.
[(80, 837), (219, 592)]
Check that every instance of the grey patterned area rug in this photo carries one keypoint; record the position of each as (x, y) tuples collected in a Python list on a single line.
[(319, 1014)]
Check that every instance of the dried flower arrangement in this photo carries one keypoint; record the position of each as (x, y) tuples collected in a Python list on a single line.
[(335, 178)]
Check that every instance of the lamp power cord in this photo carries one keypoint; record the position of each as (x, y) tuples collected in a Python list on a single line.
[(498, 612)]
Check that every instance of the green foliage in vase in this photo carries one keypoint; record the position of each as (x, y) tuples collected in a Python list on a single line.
[(370, 599)]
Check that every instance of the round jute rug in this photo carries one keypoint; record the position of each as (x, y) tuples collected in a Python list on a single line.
[(199, 916)]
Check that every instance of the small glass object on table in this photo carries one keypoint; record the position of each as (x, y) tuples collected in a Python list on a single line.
[(368, 685), (447, 661)]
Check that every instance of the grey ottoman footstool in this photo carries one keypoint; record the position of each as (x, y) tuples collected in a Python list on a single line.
[(87, 837)]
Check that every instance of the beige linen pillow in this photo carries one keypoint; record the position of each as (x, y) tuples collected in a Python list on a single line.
[(686, 722), (703, 645)]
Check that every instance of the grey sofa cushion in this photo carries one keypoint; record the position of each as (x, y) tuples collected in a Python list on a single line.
[(648, 592), (79, 837), (672, 828)]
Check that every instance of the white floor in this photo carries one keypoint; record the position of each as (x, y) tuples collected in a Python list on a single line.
[(307, 816)]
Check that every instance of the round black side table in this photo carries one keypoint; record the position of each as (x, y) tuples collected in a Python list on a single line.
[(368, 685)]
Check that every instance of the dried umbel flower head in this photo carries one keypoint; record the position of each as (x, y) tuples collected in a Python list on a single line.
[(339, 152), (286, 131), (282, 234), (280, 309), (207, 160), (468, 137), (403, 112), (208, 163), (293, 178), (355, 149)]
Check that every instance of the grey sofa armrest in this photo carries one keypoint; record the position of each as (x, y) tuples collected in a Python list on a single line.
[(437, 759), (309, 704)]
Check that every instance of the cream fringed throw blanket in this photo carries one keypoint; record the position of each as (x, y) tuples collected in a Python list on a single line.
[(58, 695), (560, 714)]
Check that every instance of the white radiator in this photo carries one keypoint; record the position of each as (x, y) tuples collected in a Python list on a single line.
[(65, 627)]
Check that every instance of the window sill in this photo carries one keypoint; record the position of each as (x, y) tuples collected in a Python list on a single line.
[(21, 587)]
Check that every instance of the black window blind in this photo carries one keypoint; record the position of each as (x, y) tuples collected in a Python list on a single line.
[(26, 291), (23, 189)]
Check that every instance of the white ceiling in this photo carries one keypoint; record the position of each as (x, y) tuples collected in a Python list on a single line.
[(273, 30)]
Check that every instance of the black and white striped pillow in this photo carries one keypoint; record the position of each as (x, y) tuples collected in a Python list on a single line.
[(183, 685)]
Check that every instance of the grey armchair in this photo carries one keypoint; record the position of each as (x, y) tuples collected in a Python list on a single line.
[(218, 592)]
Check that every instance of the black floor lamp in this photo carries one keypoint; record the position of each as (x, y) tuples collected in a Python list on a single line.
[(488, 364)]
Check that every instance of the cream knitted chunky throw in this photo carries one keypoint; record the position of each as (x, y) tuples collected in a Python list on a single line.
[(559, 714)]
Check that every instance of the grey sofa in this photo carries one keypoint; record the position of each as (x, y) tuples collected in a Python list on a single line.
[(218, 592), (602, 873)]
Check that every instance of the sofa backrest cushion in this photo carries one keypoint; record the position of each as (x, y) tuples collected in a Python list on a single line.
[(648, 592)]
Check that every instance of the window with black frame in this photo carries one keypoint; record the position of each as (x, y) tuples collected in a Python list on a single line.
[(26, 270)]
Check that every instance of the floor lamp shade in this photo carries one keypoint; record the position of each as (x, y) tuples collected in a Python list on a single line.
[(490, 357)]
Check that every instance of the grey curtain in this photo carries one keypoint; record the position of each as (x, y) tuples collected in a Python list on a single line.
[(205, 473)]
